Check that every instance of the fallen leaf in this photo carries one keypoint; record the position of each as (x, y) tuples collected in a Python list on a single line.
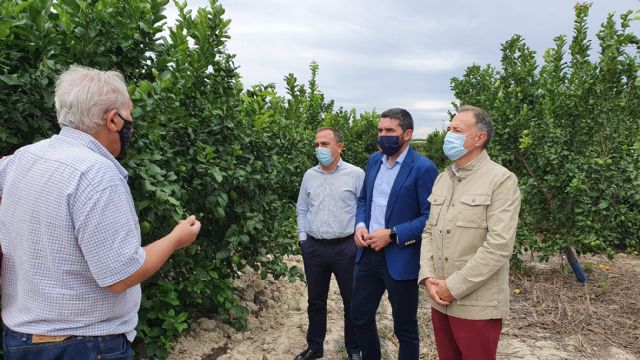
[(517, 291), (604, 267)]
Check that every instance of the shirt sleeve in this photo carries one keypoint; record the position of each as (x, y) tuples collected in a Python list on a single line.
[(108, 233), (302, 208), (359, 182), (4, 168), (361, 207)]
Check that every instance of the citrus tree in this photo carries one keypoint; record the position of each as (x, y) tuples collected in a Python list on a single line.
[(569, 129), (203, 144), (431, 147)]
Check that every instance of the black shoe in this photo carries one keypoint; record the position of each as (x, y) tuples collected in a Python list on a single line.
[(355, 356), (309, 354)]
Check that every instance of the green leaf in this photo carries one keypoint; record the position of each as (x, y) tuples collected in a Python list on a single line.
[(11, 79)]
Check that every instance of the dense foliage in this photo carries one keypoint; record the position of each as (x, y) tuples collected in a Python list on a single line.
[(569, 128), (431, 147), (202, 144), (205, 145)]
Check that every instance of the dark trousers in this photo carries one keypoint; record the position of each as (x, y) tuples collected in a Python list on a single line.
[(320, 261), (371, 280), (463, 339)]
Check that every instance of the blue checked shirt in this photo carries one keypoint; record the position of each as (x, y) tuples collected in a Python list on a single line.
[(68, 229)]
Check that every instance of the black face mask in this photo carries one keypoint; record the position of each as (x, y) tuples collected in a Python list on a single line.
[(126, 132), (390, 144)]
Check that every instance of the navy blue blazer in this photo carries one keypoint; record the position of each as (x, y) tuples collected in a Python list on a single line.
[(407, 210)]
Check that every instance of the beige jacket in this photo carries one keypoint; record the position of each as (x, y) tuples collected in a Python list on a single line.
[(469, 238)]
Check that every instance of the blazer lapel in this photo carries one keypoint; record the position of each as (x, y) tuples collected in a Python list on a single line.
[(405, 170)]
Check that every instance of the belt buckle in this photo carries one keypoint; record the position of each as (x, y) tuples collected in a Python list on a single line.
[(39, 339)]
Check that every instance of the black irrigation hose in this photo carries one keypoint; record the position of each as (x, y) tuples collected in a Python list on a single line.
[(575, 265)]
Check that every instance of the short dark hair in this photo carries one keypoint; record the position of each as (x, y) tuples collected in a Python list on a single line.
[(336, 134), (402, 115), (483, 121)]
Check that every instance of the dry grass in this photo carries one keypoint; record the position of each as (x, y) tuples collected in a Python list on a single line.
[(553, 306), (578, 321)]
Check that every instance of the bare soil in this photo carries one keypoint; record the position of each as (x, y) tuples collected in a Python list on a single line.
[(552, 317)]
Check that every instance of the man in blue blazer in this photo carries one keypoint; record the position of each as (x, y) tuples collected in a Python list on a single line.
[(391, 214)]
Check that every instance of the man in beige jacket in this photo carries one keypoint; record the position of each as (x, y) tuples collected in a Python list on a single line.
[(468, 240)]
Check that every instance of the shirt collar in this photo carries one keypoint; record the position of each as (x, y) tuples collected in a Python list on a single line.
[(399, 160), (319, 168), (454, 169), (90, 142)]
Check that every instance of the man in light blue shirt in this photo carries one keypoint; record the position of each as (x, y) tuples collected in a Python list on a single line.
[(72, 261), (326, 212)]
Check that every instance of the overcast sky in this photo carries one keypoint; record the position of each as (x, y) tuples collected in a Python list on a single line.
[(378, 54)]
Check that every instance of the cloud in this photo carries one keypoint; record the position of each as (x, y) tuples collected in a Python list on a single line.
[(428, 62), (430, 104), (273, 28), (387, 53), (422, 131)]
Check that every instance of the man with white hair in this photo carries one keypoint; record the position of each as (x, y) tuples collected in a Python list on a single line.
[(72, 260)]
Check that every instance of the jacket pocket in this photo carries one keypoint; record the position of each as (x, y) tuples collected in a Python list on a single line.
[(473, 211), (486, 295), (437, 202)]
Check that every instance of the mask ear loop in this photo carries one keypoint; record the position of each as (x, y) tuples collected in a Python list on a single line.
[(474, 146)]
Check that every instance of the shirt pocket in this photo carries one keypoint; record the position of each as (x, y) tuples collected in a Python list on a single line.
[(437, 203), (473, 211)]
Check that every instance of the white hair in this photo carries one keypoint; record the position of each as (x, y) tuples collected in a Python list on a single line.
[(85, 95)]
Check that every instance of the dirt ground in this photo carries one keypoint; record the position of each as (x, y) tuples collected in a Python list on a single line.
[(552, 317)]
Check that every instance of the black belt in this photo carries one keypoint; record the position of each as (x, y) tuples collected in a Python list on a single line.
[(331, 241)]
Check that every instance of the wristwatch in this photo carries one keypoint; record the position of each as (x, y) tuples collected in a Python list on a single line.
[(392, 234)]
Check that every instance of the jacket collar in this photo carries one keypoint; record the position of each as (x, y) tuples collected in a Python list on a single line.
[(471, 167)]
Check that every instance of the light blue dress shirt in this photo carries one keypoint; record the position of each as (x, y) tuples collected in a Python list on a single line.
[(382, 189), (326, 207), (68, 229)]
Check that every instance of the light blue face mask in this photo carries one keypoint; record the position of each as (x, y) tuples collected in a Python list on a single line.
[(453, 146), (324, 155)]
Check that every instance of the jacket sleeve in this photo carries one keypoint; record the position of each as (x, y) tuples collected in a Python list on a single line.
[(426, 255), (495, 252), (410, 232)]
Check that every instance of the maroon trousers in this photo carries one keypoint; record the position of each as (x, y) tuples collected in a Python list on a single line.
[(462, 339)]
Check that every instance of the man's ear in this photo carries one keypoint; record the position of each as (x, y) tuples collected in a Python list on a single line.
[(482, 138), (110, 120), (408, 134)]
